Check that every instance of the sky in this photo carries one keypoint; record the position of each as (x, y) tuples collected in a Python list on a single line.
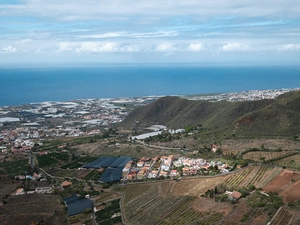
[(214, 32)]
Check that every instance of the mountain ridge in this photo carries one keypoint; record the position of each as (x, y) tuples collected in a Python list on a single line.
[(279, 116)]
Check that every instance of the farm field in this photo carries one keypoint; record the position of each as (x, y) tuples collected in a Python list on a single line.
[(25, 209), (64, 173), (236, 216), (105, 196), (180, 202), (267, 155), (289, 162), (260, 176), (207, 204), (268, 143), (6, 186), (197, 186), (283, 217), (226, 151), (291, 192), (157, 205), (280, 181), (235, 180)]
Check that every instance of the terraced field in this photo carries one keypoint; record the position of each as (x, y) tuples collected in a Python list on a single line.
[(260, 176), (234, 181), (259, 155), (167, 202), (197, 186), (282, 218), (291, 161)]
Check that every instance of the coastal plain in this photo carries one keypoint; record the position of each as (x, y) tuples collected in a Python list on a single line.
[(188, 173)]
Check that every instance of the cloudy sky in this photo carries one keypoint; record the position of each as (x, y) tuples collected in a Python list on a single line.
[(214, 32)]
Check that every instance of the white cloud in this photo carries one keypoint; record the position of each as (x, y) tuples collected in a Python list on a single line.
[(66, 46), (290, 47), (104, 35), (165, 47), (130, 48), (9, 49), (23, 41), (140, 27), (235, 47), (74, 10), (95, 47), (154, 34), (196, 47)]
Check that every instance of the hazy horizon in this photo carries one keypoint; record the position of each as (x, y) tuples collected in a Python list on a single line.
[(221, 32)]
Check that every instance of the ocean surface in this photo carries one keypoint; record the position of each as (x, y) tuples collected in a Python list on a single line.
[(27, 85)]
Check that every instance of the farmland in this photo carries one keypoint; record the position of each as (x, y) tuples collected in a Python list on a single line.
[(259, 176), (264, 155), (197, 186), (234, 181), (290, 162), (283, 217), (280, 181), (25, 209)]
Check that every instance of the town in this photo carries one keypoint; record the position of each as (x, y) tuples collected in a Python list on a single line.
[(72, 152)]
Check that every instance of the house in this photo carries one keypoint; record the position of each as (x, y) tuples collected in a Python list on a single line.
[(141, 173), (153, 174), (235, 195), (20, 191), (185, 171), (214, 148), (131, 175), (163, 173), (174, 173), (193, 171), (140, 164), (66, 183)]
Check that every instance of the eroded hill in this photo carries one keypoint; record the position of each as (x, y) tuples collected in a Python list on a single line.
[(272, 117)]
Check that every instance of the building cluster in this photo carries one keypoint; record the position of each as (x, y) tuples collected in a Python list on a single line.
[(39, 121), (252, 95), (167, 166)]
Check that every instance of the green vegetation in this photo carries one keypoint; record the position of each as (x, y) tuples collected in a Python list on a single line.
[(259, 203), (239, 119), (110, 214), (78, 162), (15, 167), (46, 160)]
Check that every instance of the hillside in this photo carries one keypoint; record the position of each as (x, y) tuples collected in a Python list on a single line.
[(264, 117)]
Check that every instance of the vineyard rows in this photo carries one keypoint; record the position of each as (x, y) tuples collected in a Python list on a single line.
[(291, 161), (197, 186), (136, 192), (93, 175), (234, 181), (258, 175), (168, 210), (282, 218), (265, 154), (211, 219)]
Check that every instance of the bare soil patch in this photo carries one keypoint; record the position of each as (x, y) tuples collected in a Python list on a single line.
[(280, 181), (8, 186), (197, 186), (291, 193), (208, 204), (238, 213), (25, 209), (82, 174), (268, 143)]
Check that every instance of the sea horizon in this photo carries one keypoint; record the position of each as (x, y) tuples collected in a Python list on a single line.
[(29, 85)]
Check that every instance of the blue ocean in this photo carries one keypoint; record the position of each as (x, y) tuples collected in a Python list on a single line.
[(27, 85)]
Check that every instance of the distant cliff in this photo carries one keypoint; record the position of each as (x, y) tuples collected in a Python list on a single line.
[(280, 116)]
